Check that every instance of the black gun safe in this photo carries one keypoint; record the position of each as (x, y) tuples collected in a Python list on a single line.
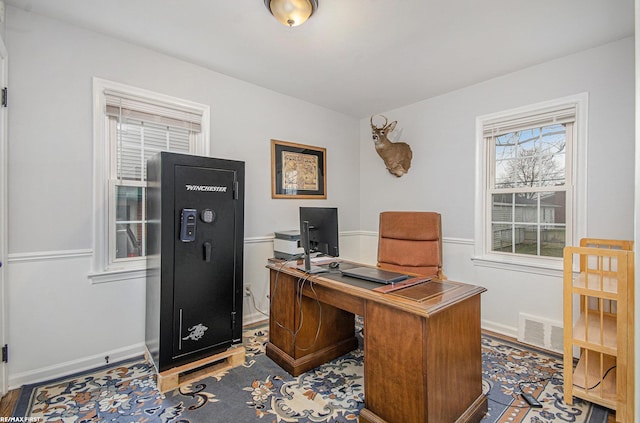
[(195, 235)]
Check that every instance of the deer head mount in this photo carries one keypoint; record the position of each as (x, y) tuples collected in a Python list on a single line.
[(396, 155)]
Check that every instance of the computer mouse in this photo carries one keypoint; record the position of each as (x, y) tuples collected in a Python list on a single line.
[(334, 265)]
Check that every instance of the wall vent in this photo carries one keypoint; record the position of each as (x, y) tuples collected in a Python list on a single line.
[(541, 332)]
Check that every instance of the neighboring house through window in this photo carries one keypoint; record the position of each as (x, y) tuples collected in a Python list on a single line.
[(130, 126), (529, 184)]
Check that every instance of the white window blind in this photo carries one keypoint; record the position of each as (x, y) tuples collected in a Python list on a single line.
[(566, 114), (136, 141), (144, 128), (125, 105)]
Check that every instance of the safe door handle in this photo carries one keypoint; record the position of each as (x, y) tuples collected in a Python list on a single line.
[(207, 251)]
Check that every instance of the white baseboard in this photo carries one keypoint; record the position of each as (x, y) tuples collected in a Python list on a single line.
[(87, 363), (500, 328), (252, 318), (75, 366)]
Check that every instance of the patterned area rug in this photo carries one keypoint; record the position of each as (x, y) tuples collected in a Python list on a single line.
[(509, 368), (260, 391)]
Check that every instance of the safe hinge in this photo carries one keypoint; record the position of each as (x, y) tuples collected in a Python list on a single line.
[(5, 97), (5, 353), (233, 320), (236, 190)]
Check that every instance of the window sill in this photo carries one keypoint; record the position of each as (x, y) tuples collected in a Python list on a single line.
[(107, 276), (539, 266)]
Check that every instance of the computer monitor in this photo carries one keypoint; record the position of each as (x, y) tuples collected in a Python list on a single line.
[(318, 232)]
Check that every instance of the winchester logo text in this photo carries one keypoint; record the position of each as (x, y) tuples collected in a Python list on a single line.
[(206, 188)]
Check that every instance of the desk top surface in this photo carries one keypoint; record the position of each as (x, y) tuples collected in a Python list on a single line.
[(426, 298)]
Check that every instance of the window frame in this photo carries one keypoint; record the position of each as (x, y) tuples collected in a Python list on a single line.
[(576, 187), (105, 268)]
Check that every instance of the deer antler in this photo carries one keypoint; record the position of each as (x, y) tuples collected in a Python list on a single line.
[(378, 127)]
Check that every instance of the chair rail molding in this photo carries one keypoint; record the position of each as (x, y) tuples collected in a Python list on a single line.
[(48, 255)]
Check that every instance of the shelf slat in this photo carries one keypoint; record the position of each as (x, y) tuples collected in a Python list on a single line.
[(595, 284), (607, 327)]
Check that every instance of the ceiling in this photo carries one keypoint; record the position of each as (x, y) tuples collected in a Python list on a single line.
[(357, 57)]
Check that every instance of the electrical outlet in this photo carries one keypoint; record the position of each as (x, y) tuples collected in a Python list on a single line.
[(247, 291)]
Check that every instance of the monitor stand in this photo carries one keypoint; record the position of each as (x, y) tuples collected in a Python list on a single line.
[(312, 269), (308, 268)]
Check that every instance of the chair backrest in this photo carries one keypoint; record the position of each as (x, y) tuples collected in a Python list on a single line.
[(411, 242)]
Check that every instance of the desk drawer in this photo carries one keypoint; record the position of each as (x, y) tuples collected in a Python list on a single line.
[(335, 298)]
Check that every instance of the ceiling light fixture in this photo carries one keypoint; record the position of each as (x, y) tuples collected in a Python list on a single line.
[(291, 12)]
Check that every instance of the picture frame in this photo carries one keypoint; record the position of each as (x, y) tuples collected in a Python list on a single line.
[(298, 171)]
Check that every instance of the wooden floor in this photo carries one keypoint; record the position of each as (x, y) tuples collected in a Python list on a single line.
[(8, 402)]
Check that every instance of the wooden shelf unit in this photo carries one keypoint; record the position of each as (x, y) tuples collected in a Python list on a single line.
[(598, 322)]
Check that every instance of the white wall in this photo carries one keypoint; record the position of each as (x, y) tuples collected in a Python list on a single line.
[(441, 132), (58, 320)]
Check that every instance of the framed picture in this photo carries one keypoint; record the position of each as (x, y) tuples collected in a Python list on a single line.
[(298, 171)]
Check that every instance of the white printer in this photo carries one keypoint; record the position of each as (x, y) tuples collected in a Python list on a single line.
[(286, 245)]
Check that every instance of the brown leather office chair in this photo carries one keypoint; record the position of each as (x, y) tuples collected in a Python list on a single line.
[(411, 242)]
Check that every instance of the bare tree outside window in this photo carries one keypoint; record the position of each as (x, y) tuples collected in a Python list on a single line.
[(531, 158), (529, 199)]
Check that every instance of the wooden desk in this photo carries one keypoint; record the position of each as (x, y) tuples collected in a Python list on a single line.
[(422, 348)]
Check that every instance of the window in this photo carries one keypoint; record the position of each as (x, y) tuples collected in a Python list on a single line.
[(132, 125), (528, 172)]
